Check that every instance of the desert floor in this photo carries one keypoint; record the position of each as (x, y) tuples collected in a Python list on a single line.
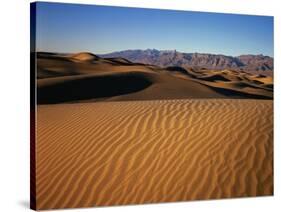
[(131, 152)]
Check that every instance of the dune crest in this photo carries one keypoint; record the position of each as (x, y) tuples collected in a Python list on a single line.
[(84, 56)]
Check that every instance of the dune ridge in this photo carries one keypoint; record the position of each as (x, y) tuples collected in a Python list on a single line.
[(84, 56), (87, 77), (132, 152)]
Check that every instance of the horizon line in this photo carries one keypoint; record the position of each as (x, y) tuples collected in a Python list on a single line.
[(160, 50)]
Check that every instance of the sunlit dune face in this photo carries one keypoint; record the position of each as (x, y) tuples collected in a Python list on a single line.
[(115, 153)]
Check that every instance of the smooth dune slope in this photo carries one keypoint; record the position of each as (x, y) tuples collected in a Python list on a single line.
[(100, 154)]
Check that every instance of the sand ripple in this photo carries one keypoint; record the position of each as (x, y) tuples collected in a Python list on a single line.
[(98, 154)]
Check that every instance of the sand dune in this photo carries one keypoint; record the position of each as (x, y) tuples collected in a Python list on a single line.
[(234, 84), (98, 154), (84, 56), (74, 88), (87, 77), (201, 135)]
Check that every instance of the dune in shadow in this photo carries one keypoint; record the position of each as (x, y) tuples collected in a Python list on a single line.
[(215, 77), (73, 88)]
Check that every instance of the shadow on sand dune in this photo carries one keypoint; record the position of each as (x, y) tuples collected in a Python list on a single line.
[(74, 88)]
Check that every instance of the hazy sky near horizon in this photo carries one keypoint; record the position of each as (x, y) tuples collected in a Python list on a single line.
[(101, 29)]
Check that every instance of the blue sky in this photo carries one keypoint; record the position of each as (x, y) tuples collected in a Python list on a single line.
[(100, 29)]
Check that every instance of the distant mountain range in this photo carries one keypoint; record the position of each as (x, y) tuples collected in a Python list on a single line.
[(209, 61)]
